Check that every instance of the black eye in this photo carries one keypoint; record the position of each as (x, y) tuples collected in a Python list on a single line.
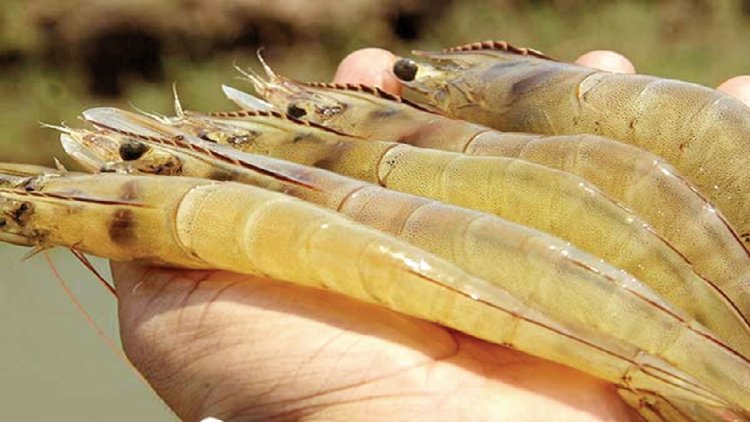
[(295, 111), (405, 69), (132, 150)]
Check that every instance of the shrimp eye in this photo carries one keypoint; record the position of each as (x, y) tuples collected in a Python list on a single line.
[(405, 69), (132, 150), (295, 111)]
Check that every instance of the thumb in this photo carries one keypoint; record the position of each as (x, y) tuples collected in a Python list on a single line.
[(370, 66)]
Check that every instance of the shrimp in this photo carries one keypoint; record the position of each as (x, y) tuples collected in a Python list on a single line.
[(639, 180), (196, 223), (516, 89), (516, 190), (480, 244)]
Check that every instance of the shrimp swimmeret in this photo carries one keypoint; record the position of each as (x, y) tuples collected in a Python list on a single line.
[(202, 224)]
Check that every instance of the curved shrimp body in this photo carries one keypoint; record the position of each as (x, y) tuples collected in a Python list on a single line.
[(540, 270), (639, 180), (195, 223), (519, 191), (521, 90)]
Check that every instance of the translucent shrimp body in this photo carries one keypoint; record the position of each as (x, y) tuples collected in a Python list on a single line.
[(195, 223), (541, 270), (702, 132), (641, 181), (525, 193)]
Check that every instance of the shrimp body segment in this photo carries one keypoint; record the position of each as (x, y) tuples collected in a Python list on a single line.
[(195, 223), (705, 135), (641, 181), (519, 191)]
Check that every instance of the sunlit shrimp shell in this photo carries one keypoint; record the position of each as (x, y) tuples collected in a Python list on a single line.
[(194, 223), (519, 191), (702, 132), (545, 272), (641, 181)]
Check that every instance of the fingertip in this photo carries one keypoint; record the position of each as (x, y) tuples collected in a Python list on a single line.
[(738, 87), (606, 60), (370, 66)]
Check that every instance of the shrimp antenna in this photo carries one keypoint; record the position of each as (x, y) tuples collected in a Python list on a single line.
[(89, 319), (79, 305), (36, 250), (87, 263), (156, 116), (178, 110), (270, 74), (62, 127), (258, 82)]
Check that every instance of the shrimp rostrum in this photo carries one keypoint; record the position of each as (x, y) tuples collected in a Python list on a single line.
[(197, 223)]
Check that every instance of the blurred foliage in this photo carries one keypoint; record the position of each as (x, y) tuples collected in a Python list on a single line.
[(58, 58)]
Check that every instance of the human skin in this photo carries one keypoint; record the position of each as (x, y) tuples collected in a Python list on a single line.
[(238, 347)]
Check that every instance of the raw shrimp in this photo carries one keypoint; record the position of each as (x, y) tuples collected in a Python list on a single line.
[(641, 181), (195, 223), (525, 193), (480, 244), (702, 132)]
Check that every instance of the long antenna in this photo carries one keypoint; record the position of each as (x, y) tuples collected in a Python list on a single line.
[(90, 320), (86, 263), (107, 339)]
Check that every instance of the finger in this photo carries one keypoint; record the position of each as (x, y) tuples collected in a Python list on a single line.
[(608, 61), (738, 87), (370, 66)]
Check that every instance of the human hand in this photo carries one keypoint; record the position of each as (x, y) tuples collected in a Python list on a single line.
[(244, 348)]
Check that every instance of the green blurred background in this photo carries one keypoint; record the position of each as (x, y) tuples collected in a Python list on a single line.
[(59, 57)]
